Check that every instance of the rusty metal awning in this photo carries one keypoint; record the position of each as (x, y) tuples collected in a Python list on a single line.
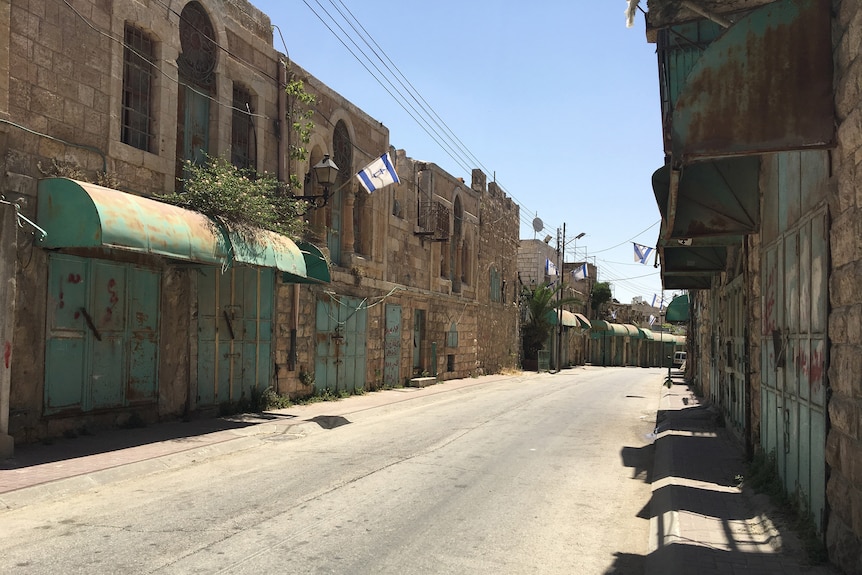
[(691, 267), (83, 215), (266, 249), (764, 85), (709, 198)]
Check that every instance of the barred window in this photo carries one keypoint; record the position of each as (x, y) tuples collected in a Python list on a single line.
[(242, 130), (138, 70), (495, 285)]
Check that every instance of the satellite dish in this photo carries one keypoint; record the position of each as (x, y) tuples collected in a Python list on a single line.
[(538, 224)]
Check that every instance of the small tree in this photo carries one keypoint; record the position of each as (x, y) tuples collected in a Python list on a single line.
[(539, 302), (239, 197), (600, 295)]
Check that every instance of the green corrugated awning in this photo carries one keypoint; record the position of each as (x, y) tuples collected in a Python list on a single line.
[(633, 331), (647, 334), (569, 319), (600, 327), (677, 310), (83, 215), (583, 321), (316, 265), (267, 249)]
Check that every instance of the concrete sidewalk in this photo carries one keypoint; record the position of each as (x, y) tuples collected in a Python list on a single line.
[(43, 472), (701, 520)]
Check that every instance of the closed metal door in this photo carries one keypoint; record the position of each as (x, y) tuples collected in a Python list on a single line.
[(793, 343), (102, 345), (392, 346), (733, 371), (340, 353), (234, 333)]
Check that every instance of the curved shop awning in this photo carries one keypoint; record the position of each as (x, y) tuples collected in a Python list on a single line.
[(585, 323), (604, 328), (316, 265), (677, 311), (267, 249), (569, 319), (83, 215)]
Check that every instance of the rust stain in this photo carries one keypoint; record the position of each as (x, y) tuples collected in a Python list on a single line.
[(779, 98), (7, 354), (112, 300), (769, 306)]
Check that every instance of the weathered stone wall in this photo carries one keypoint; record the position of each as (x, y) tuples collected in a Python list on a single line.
[(844, 442), (498, 334), (753, 325)]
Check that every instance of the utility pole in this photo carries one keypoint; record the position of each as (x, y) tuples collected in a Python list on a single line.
[(561, 250)]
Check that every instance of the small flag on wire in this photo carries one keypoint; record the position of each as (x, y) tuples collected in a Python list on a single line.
[(550, 268), (651, 320), (614, 314), (378, 174), (642, 253), (580, 273)]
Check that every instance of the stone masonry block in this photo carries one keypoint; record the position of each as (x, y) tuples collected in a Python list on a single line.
[(839, 495), (844, 285), (833, 450), (856, 509), (844, 546), (845, 371), (844, 415), (854, 462), (843, 236)]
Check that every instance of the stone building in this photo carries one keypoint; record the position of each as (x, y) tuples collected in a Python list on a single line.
[(119, 308), (760, 211)]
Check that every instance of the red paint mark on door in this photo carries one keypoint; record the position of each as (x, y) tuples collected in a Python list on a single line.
[(7, 354)]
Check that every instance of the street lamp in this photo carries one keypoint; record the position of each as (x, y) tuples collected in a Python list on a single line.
[(326, 172)]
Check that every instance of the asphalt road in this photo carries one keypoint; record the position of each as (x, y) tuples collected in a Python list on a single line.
[(532, 474)]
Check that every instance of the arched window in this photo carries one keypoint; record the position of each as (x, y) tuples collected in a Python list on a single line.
[(196, 64)]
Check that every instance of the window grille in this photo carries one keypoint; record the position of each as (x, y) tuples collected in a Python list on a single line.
[(242, 130), (137, 121)]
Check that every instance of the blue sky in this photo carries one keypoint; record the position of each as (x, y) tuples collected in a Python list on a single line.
[(557, 100)]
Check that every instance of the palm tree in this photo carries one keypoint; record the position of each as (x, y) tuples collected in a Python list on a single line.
[(540, 304)]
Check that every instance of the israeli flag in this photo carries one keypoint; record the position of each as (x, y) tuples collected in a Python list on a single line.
[(654, 296), (652, 319), (580, 273), (550, 268), (642, 253), (378, 174)]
